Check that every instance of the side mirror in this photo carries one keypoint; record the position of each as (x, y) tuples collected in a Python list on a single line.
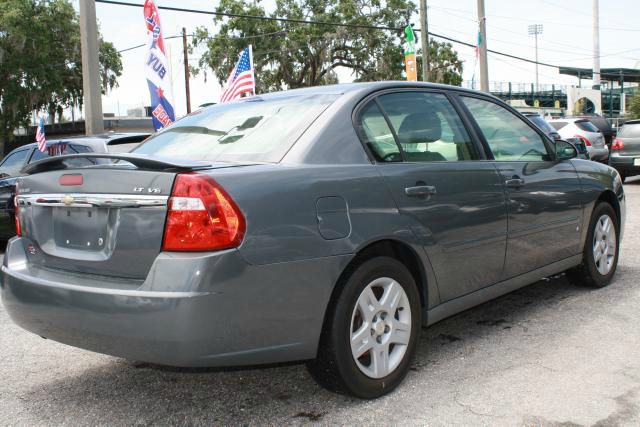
[(565, 150)]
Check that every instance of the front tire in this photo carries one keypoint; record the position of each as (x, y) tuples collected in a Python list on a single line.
[(600, 255), (371, 332)]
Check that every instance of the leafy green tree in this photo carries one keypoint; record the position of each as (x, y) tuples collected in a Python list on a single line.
[(40, 62), (633, 108), (290, 55), (446, 67)]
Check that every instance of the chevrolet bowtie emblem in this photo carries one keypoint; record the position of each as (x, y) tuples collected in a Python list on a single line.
[(68, 200)]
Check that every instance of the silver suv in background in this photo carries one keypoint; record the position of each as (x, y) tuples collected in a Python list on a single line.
[(587, 132), (625, 150)]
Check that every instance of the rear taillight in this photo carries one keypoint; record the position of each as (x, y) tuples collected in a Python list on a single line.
[(618, 144), (201, 216), (15, 213), (585, 140)]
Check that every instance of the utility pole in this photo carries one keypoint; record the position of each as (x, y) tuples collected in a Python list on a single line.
[(93, 120), (484, 72), (596, 45), (424, 40), (534, 30), (186, 68)]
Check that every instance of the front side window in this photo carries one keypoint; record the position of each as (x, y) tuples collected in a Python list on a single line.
[(508, 136), (13, 163), (259, 129), (428, 127)]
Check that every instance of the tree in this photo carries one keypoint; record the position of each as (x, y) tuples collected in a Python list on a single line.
[(290, 55), (445, 68), (634, 107), (40, 62)]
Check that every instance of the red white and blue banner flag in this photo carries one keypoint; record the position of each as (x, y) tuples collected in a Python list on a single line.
[(157, 70), (241, 80), (40, 138)]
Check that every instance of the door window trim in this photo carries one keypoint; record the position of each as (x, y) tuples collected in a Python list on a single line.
[(545, 141), (474, 141)]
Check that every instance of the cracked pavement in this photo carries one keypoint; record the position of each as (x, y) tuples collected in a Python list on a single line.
[(551, 354)]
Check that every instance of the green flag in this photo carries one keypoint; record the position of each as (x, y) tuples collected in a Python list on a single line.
[(410, 40)]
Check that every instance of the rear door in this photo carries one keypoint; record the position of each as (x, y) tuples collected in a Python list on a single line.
[(454, 200), (544, 195)]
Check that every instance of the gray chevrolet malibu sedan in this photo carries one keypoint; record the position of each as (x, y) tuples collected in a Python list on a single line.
[(325, 225)]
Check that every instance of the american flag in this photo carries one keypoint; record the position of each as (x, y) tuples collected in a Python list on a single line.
[(241, 80), (40, 139)]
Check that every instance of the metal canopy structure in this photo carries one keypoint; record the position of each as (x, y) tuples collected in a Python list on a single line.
[(629, 75)]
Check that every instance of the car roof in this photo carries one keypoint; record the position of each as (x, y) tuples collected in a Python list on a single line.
[(632, 122), (360, 88)]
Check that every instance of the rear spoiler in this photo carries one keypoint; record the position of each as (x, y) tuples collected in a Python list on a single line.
[(140, 161)]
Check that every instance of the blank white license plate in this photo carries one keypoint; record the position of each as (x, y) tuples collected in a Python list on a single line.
[(636, 162)]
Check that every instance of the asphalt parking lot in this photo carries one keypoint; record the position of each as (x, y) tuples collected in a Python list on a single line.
[(549, 354)]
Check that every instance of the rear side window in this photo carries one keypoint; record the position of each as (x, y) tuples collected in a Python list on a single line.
[(558, 125), (630, 131), (508, 136), (259, 129), (378, 135), (586, 126), (428, 127)]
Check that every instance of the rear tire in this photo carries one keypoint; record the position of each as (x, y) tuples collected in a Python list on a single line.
[(600, 254), (370, 334)]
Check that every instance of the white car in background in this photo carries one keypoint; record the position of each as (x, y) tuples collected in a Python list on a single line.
[(587, 132)]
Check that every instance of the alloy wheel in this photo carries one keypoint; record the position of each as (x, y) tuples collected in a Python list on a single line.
[(604, 244), (380, 327)]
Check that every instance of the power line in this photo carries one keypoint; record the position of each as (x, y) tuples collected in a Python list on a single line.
[(334, 24)]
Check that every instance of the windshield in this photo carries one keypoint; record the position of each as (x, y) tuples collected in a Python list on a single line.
[(260, 130), (629, 130), (542, 124), (586, 126)]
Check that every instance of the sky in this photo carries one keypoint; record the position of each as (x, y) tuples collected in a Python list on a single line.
[(566, 40)]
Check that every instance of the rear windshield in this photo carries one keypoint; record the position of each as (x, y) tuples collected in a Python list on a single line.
[(558, 125), (541, 123), (630, 131), (260, 130), (587, 126)]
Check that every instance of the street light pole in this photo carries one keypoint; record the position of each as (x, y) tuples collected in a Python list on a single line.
[(535, 30)]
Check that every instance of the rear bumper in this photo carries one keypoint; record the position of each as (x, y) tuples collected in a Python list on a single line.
[(192, 310), (599, 154), (624, 164)]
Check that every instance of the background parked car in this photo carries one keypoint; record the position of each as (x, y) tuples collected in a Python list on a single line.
[(571, 127), (545, 127), (18, 158), (602, 124), (625, 150)]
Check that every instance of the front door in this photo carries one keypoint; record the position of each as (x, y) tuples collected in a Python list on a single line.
[(544, 204), (453, 201)]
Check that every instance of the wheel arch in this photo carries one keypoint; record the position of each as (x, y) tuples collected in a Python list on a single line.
[(609, 196)]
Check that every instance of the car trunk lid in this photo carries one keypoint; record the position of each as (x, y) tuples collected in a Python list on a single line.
[(106, 220)]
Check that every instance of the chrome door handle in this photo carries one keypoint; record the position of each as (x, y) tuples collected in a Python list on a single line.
[(514, 182), (420, 191)]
